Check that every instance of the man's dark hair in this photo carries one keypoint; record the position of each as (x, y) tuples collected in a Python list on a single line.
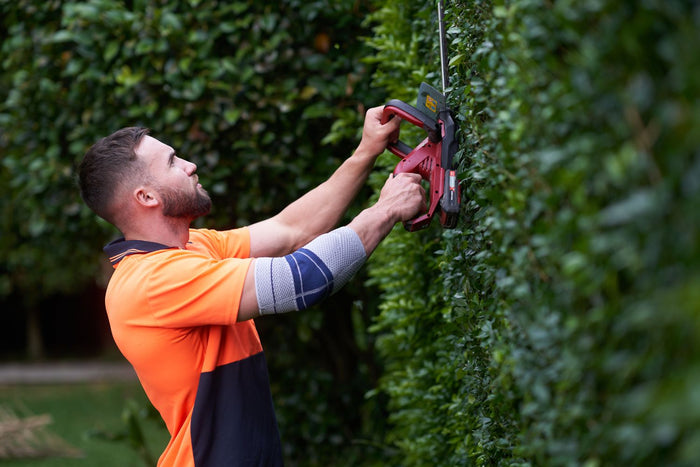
[(107, 166)]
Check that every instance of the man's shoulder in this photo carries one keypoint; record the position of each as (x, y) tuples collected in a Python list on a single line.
[(233, 243)]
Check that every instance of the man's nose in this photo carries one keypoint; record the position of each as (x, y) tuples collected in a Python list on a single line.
[(190, 167)]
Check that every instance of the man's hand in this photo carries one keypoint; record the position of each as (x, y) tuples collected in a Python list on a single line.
[(402, 198), (376, 136)]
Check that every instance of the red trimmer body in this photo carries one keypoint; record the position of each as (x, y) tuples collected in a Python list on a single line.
[(432, 159)]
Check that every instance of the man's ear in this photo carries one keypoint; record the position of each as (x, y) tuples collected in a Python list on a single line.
[(145, 197)]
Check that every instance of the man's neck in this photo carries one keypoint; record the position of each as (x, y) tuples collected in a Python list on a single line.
[(172, 234)]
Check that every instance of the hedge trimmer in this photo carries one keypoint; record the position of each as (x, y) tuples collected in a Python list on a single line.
[(433, 157)]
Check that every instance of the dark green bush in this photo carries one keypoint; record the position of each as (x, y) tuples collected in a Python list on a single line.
[(556, 325), (247, 90)]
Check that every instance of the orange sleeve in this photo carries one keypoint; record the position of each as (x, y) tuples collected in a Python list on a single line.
[(188, 289)]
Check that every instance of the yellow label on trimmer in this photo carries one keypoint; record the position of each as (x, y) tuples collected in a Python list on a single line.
[(431, 103)]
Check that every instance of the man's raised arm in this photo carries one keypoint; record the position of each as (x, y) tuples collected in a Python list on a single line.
[(319, 210), (310, 274)]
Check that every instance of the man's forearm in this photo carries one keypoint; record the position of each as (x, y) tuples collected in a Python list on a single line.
[(310, 274), (320, 210), (330, 258), (372, 225)]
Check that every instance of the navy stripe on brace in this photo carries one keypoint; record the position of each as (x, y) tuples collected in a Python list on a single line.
[(313, 281), (301, 279)]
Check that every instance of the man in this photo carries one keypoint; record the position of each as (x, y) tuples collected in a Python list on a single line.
[(181, 301)]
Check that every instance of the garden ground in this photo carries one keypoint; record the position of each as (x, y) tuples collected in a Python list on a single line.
[(98, 413)]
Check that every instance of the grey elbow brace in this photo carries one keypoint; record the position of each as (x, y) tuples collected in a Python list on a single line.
[(310, 274)]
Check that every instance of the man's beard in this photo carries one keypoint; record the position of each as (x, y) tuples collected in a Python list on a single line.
[(179, 204)]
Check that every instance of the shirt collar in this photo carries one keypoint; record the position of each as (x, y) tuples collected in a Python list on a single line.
[(121, 248)]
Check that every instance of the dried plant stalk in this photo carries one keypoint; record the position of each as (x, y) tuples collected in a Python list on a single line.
[(28, 437)]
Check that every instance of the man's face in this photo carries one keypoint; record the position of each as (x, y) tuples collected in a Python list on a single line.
[(174, 180)]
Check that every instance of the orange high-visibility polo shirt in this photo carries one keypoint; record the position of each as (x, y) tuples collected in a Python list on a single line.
[(173, 315)]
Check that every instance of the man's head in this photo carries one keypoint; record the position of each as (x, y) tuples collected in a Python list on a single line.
[(130, 170), (110, 167)]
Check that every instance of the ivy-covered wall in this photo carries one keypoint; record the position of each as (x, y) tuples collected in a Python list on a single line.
[(558, 324)]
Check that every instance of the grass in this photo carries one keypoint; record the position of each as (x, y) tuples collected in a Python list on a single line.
[(91, 418)]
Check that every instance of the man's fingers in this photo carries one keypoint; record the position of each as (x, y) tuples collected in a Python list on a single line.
[(392, 126), (413, 177), (375, 113), (375, 135), (404, 194)]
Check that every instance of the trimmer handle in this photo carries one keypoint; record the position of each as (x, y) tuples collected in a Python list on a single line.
[(432, 159), (415, 117)]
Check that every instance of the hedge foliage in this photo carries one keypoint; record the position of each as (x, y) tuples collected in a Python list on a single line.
[(558, 324), (247, 90)]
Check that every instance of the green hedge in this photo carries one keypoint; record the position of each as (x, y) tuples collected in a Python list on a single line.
[(246, 90), (250, 92), (558, 324)]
